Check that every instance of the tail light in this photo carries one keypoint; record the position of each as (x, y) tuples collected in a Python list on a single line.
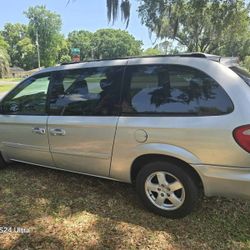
[(242, 137)]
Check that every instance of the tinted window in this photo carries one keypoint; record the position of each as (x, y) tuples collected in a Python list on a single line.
[(86, 92), (173, 90), (242, 73), (28, 98)]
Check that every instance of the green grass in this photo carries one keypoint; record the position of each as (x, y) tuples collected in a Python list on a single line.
[(70, 211), (6, 87), (11, 79)]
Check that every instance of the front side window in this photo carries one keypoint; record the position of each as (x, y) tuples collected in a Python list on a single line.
[(86, 92), (28, 98), (173, 89)]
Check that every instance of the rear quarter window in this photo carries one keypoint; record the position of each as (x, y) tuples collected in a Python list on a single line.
[(173, 90)]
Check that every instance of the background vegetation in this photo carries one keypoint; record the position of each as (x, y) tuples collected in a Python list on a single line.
[(220, 27), (4, 57), (68, 211)]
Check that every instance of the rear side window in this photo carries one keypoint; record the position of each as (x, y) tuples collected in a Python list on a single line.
[(173, 90), (242, 73)]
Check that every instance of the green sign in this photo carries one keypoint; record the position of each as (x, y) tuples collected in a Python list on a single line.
[(75, 51)]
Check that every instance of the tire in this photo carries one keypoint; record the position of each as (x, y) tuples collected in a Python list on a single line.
[(154, 185), (3, 163)]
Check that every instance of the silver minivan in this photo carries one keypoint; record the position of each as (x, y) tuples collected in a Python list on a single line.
[(177, 127)]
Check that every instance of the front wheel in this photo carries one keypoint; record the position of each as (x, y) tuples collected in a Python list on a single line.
[(167, 189)]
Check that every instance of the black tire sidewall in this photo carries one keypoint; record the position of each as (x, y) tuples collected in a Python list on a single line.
[(191, 189), (3, 163)]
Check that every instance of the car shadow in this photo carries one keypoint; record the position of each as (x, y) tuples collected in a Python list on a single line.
[(29, 193)]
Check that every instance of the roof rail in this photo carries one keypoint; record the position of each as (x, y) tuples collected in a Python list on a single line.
[(192, 54)]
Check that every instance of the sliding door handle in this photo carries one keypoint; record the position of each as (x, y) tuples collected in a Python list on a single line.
[(39, 131), (57, 131)]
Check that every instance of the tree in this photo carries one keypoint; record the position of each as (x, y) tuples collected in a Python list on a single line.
[(169, 47), (45, 27), (63, 51), (204, 25), (104, 43), (65, 59), (152, 52), (27, 54), (13, 34), (82, 39), (4, 62), (4, 58), (111, 43), (246, 63)]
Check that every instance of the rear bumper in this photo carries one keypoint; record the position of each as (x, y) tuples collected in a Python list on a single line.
[(225, 181)]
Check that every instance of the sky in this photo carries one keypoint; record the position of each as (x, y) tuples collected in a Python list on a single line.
[(79, 14)]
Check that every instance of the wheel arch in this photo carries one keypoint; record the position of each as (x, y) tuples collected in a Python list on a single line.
[(140, 161)]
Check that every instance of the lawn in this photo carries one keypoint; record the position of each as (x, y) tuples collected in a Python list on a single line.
[(11, 79), (6, 87), (70, 211)]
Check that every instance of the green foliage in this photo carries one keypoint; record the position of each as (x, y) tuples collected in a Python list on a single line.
[(208, 26), (169, 47), (104, 43), (4, 58), (47, 25), (246, 63), (26, 52), (13, 34), (83, 40), (63, 50), (4, 62), (152, 52), (65, 59), (108, 43), (3, 43), (44, 29), (22, 39)]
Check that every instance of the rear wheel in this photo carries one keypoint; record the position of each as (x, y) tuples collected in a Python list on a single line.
[(167, 189)]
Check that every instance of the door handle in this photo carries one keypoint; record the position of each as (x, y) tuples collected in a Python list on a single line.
[(57, 131), (39, 131)]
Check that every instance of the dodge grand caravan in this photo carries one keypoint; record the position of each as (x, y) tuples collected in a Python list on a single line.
[(177, 127)]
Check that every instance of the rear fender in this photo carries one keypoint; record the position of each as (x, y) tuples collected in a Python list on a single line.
[(122, 160)]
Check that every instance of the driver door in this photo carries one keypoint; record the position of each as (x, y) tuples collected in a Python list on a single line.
[(23, 122)]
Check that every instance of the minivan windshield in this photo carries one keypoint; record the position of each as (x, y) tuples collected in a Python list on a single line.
[(244, 74)]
